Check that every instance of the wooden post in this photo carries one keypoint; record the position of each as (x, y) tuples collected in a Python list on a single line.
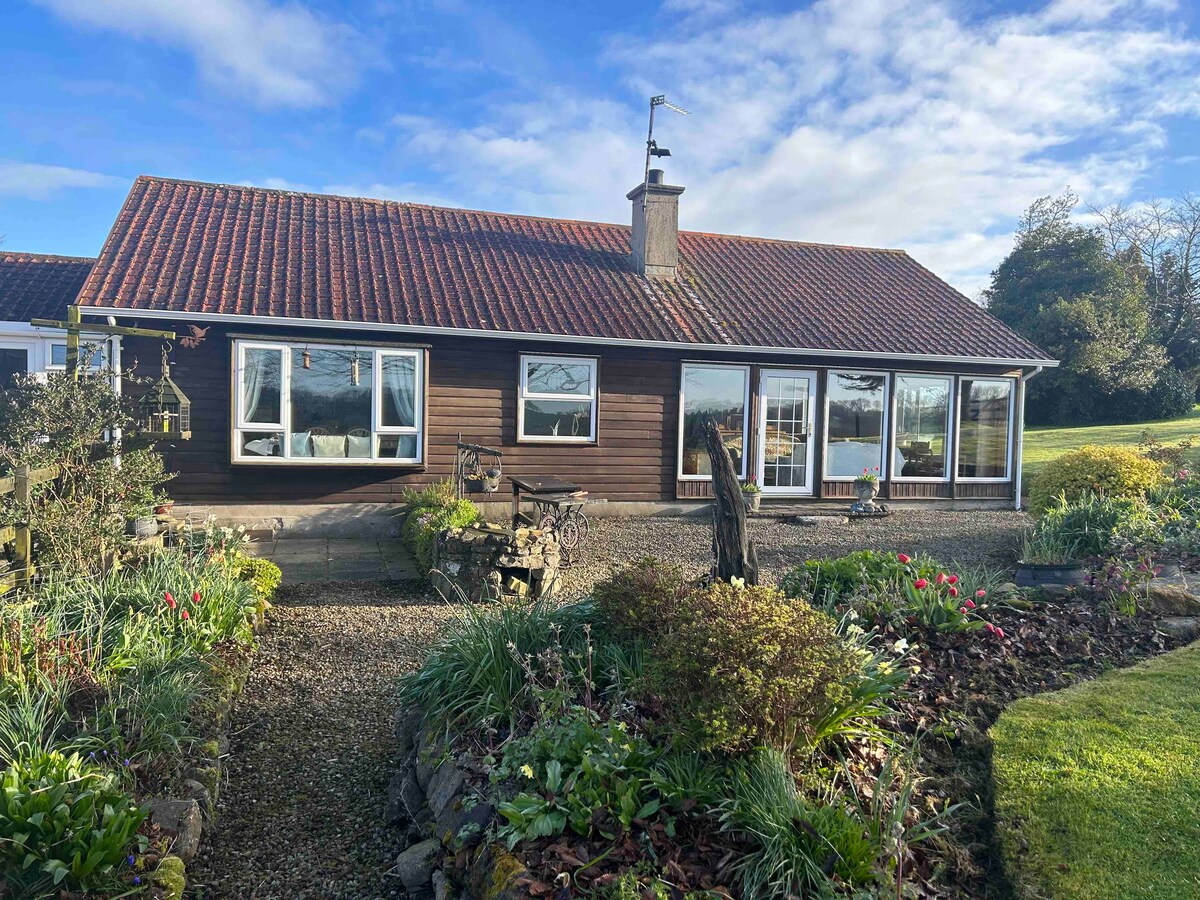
[(735, 554), (74, 318), (23, 556)]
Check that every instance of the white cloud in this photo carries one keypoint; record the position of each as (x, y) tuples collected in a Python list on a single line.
[(878, 122), (34, 181), (274, 53)]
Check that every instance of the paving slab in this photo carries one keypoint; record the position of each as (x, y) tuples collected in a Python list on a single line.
[(308, 560)]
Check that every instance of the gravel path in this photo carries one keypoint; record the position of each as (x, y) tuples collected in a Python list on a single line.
[(966, 537), (301, 813)]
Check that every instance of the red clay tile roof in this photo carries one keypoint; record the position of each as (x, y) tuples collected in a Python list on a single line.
[(39, 286), (206, 248)]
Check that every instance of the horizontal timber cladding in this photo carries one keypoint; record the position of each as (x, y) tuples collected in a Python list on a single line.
[(998, 490), (472, 390), (918, 490)]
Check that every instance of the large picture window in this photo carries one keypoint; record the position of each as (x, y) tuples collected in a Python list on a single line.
[(856, 424), (558, 399), (723, 393), (985, 428), (327, 404), (922, 426)]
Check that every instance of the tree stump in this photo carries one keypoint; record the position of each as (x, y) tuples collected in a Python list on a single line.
[(732, 547)]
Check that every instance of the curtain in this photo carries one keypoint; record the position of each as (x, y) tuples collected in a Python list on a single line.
[(253, 379), (399, 379)]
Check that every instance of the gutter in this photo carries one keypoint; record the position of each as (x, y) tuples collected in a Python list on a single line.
[(1026, 377), (554, 338)]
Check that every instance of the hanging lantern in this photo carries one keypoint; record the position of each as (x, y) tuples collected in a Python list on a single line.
[(166, 410), (354, 377), (307, 359)]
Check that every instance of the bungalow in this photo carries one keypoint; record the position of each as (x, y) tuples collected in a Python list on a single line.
[(342, 345)]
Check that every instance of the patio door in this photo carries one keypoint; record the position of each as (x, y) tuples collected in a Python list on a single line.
[(16, 358), (785, 431)]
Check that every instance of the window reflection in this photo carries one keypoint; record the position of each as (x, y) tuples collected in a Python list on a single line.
[(922, 420), (720, 392), (983, 428), (854, 441)]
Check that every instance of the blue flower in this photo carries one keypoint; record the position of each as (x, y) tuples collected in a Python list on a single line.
[(129, 859), (137, 880)]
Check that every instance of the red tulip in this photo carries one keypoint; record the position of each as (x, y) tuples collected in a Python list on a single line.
[(981, 593), (953, 591), (904, 559), (963, 610), (953, 579), (184, 615), (970, 604), (999, 632), (991, 628), (941, 578), (920, 584), (196, 598), (170, 600)]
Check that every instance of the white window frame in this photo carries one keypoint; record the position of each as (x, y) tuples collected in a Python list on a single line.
[(884, 425), (951, 451), (1008, 458), (103, 343), (592, 396), (760, 440), (284, 427), (746, 435)]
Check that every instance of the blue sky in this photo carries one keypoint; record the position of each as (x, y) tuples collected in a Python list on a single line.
[(910, 123)]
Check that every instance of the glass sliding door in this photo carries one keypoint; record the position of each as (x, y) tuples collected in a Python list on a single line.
[(785, 431)]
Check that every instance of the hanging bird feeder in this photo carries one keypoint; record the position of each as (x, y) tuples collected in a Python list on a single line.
[(166, 410)]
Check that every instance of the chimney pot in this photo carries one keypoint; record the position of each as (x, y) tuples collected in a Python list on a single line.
[(655, 243)]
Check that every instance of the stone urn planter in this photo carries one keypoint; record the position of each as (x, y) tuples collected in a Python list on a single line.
[(866, 491), (753, 500), (1070, 573), (143, 526)]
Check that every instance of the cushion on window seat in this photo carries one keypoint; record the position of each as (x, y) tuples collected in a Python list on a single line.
[(358, 446), (329, 445)]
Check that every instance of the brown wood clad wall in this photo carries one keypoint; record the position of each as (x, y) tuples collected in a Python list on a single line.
[(472, 390)]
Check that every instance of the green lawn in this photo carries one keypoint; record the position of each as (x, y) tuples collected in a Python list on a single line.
[(1098, 788), (1044, 443)]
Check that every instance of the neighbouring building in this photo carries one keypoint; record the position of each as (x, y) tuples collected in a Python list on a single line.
[(346, 343)]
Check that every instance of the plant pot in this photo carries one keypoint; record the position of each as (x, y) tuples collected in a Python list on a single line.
[(753, 501), (164, 509), (866, 491), (144, 526), (1037, 574)]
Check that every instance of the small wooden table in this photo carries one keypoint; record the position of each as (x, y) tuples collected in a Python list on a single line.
[(533, 487)]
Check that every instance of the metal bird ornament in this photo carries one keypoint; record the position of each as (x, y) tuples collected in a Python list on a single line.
[(195, 339)]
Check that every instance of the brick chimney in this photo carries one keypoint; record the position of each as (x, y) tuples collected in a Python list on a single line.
[(655, 227)]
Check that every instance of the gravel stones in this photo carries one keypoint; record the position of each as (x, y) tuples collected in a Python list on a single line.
[(301, 815), (965, 537)]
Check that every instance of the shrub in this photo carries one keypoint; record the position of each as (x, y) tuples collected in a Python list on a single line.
[(431, 511), (579, 773), (261, 574), (797, 846), (1111, 471), (643, 599), (64, 824), (748, 666), (875, 572)]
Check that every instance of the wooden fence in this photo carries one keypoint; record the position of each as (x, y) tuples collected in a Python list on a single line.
[(20, 483)]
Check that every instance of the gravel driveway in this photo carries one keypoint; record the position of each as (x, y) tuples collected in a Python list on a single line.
[(301, 812)]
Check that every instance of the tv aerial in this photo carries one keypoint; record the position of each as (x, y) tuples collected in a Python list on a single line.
[(652, 148)]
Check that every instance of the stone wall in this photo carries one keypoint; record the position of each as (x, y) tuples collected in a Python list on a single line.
[(445, 819), (493, 562)]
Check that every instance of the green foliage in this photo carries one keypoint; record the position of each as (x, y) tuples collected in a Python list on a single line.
[(872, 572), (475, 674), (576, 772), (1099, 525), (1112, 471), (642, 599), (1089, 778), (748, 666), (797, 846), (262, 575), (57, 420), (64, 825), (430, 512)]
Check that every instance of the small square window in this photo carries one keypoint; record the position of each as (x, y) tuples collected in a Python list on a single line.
[(557, 399)]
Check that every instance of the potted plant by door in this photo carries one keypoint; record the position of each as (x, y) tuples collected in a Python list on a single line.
[(866, 489), (752, 494), (1048, 558)]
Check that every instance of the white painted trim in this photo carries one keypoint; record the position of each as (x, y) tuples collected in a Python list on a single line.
[(872, 355), (745, 370), (950, 443), (1012, 393), (884, 466), (1019, 460), (761, 442), (523, 394)]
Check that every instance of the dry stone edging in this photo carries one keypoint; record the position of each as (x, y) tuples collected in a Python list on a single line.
[(446, 821)]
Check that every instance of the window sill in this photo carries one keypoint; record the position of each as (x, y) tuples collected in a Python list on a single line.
[(330, 464)]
